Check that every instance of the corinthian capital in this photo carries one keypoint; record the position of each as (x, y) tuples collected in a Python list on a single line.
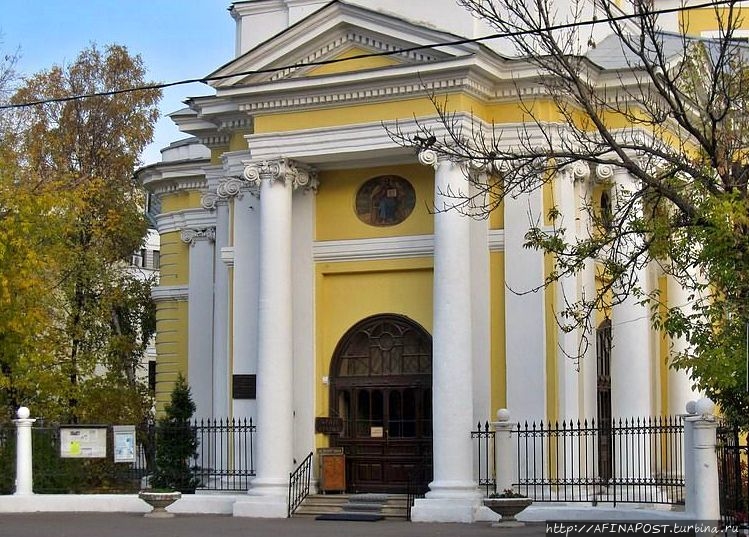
[(291, 173), (191, 236)]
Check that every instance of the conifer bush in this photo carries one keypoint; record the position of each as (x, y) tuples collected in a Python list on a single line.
[(176, 443)]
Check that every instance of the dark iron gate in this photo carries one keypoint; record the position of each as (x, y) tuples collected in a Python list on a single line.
[(733, 476)]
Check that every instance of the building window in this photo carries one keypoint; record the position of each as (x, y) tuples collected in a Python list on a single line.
[(156, 259), (607, 214), (152, 376)]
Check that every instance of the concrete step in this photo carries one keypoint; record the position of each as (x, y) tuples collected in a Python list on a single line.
[(390, 506)]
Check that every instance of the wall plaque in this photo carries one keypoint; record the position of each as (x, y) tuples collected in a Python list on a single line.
[(385, 200), (244, 386), (327, 425)]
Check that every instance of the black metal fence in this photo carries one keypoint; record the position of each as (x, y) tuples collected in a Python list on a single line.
[(224, 460), (624, 461), (733, 476), (483, 438)]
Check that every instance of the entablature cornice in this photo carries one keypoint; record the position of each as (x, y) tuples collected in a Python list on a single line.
[(340, 143), (177, 221), (168, 183)]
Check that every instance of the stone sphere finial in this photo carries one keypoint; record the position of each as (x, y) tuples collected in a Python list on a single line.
[(23, 413), (691, 410), (503, 414), (704, 407)]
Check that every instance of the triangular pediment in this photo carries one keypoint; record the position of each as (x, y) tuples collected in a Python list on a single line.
[(316, 46)]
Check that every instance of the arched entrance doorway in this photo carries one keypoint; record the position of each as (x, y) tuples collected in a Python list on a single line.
[(381, 385)]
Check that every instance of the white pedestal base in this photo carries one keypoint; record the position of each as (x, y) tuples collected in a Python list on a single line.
[(262, 507), (465, 510)]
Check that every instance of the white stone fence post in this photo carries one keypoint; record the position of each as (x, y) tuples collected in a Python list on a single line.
[(701, 462), (24, 479), (505, 451)]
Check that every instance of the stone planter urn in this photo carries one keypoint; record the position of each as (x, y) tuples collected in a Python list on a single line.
[(508, 508), (159, 501)]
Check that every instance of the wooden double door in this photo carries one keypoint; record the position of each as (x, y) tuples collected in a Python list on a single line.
[(381, 386)]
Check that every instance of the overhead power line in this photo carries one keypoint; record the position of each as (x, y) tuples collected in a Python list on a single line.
[(519, 33)]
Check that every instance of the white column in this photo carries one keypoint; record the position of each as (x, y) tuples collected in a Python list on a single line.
[(200, 318), (525, 310), (24, 453), (568, 295), (274, 447), (587, 278), (246, 239), (218, 201), (221, 370), (680, 389), (631, 368), (453, 495)]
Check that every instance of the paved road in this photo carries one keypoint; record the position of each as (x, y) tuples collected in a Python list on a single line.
[(135, 525)]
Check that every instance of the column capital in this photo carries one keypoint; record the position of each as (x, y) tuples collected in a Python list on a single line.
[(191, 235), (229, 187), (430, 157), (605, 172), (291, 173), (578, 171)]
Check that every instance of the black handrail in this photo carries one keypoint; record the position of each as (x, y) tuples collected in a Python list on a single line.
[(414, 488), (299, 484)]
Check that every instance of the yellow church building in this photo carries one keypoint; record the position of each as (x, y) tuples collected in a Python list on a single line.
[(308, 282)]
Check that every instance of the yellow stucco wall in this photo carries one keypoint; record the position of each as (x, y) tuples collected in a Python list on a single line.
[(664, 345), (696, 21), (353, 65), (335, 203), (171, 347), (403, 109), (179, 201), (174, 260), (497, 308), (171, 315)]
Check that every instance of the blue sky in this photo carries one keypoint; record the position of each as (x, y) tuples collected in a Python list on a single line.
[(177, 39)]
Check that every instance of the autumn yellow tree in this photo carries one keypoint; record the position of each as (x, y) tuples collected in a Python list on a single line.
[(82, 361)]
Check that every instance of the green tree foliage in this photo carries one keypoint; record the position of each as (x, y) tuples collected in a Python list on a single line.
[(176, 442), (71, 343), (671, 111)]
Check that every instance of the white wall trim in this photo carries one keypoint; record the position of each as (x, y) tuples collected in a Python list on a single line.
[(404, 247), (169, 292), (496, 240), (227, 255)]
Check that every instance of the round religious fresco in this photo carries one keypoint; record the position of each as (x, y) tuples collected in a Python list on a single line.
[(385, 200)]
